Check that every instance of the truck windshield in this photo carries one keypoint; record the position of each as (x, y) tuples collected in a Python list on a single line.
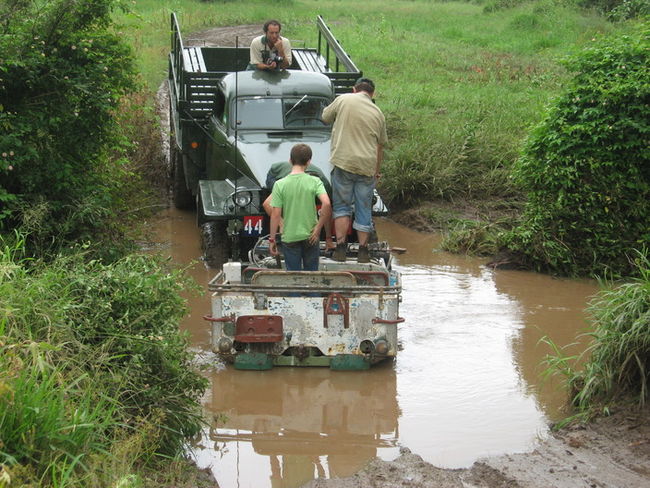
[(280, 113)]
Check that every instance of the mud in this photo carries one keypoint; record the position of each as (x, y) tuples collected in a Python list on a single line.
[(610, 452)]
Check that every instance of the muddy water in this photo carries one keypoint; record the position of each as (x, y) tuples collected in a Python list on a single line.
[(466, 382)]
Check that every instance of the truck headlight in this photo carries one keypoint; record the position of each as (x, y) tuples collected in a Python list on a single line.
[(242, 198)]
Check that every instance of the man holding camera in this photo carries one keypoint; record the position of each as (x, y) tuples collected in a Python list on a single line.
[(270, 51)]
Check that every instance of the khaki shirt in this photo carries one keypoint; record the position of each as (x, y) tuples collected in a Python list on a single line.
[(258, 47), (359, 127)]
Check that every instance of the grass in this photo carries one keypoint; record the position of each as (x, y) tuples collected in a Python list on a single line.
[(616, 365), (96, 382)]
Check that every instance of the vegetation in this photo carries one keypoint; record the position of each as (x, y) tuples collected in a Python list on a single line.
[(586, 167), (617, 363), (63, 72), (91, 363), (96, 382)]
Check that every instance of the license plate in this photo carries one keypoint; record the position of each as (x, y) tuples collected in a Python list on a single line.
[(252, 225)]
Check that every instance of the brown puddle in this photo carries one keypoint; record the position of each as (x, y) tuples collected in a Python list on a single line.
[(466, 383)]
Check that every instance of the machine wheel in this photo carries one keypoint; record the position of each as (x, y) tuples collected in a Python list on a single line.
[(215, 243), (181, 196)]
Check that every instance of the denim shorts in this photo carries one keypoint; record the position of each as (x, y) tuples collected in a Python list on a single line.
[(353, 193)]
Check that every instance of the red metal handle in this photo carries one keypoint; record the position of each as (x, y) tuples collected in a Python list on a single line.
[(210, 318), (398, 320)]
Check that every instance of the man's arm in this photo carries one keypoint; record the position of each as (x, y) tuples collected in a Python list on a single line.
[(329, 112), (324, 219), (276, 215), (284, 51), (380, 159)]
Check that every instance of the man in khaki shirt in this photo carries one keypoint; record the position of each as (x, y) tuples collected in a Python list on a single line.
[(357, 150)]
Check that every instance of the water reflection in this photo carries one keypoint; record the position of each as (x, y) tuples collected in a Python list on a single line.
[(467, 377), (295, 425)]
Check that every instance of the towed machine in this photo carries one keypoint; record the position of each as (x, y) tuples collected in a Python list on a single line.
[(343, 316)]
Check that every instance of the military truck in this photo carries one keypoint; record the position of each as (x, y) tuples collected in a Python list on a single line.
[(229, 125)]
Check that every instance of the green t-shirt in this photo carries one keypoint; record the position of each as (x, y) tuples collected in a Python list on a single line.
[(295, 195)]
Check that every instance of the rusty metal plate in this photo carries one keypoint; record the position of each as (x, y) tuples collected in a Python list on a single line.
[(259, 328)]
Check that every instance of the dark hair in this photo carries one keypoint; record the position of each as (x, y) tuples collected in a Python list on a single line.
[(300, 154), (271, 22), (365, 84)]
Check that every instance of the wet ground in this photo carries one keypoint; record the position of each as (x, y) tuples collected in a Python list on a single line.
[(466, 383)]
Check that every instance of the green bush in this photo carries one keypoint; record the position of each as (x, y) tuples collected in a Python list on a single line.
[(586, 167), (619, 9), (101, 343), (63, 70)]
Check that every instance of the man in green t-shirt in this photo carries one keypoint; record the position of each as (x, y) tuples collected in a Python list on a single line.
[(293, 200)]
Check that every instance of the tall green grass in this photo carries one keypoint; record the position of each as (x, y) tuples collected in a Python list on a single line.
[(616, 365), (96, 381)]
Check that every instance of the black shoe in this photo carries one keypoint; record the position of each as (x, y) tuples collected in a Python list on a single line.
[(340, 252), (363, 256)]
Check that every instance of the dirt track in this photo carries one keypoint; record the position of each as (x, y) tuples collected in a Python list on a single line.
[(612, 452)]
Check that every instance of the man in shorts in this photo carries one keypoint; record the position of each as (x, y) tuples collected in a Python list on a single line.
[(293, 201), (357, 151)]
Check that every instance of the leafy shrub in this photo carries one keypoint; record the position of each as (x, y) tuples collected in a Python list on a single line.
[(74, 327), (62, 72), (586, 167), (630, 9), (619, 9)]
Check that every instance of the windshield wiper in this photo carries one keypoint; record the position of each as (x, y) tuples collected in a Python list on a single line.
[(295, 105)]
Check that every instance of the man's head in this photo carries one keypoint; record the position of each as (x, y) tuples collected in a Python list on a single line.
[(364, 84), (272, 30), (300, 155)]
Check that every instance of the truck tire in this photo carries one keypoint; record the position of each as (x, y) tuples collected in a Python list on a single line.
[(215, 243), (181, 196)]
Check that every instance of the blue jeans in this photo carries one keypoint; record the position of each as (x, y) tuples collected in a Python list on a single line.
[(300, 255), (348, 190)]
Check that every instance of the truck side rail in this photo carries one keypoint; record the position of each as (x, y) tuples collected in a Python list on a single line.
[(192, 86), (344, 72)]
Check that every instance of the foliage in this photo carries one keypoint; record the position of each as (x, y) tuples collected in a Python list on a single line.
[(618, 360), (630, 9), (619, 9), (472, 237), (62, 73), (586, 167), (101, 343)]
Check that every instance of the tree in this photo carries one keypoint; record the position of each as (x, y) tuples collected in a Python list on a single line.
[(63, 70)]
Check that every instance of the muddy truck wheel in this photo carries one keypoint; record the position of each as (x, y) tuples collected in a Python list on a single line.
[(215, 243)]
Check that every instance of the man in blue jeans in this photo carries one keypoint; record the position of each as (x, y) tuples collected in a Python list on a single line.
[(294, 201), (357, 151)]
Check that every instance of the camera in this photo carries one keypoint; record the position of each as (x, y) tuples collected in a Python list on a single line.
[(273, 57)]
